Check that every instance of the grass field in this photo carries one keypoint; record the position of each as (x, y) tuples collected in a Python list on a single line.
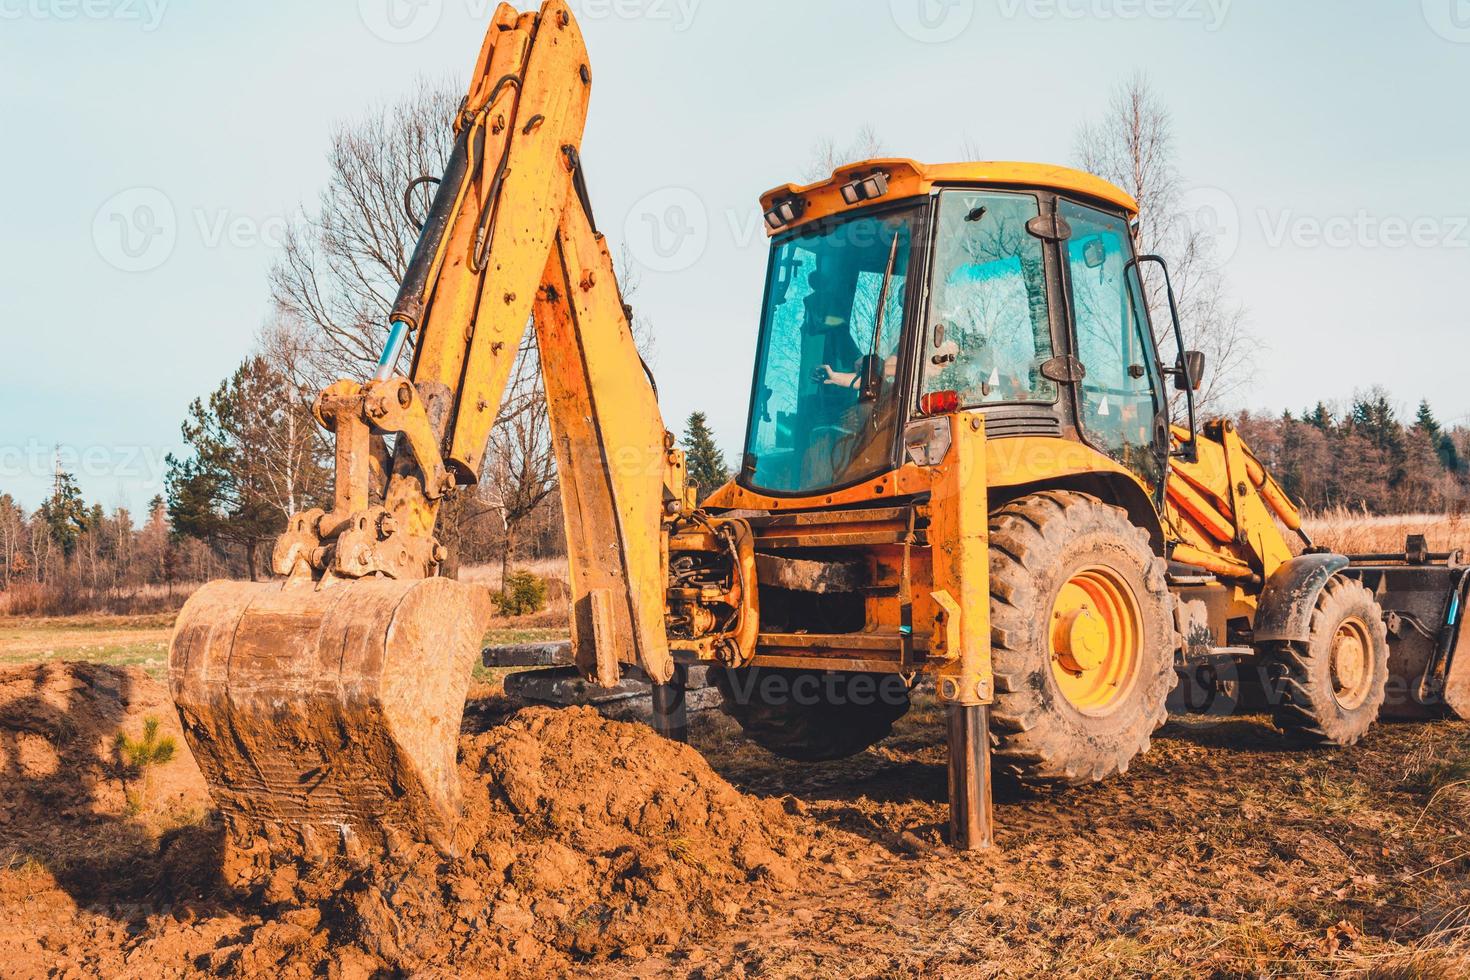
[(119, 640), (1353, 532), (142, 641)]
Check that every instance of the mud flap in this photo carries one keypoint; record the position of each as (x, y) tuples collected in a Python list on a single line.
[(331, 712)]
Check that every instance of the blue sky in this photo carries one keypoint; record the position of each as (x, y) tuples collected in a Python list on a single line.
[(1330, 135)]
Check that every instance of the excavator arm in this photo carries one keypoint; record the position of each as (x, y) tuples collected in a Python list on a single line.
[(328, 703)]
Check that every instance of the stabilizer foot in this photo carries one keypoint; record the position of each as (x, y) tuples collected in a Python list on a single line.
[(671, 706), (970, 815)]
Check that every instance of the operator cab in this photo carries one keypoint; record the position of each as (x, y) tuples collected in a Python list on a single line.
[(899, 293)]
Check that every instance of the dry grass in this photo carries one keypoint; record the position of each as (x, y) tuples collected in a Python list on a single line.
[(118, 640), (1357, 532), (556, 615), (72, 599), (551, 569)]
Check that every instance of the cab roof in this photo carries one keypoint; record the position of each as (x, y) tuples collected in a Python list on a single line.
[(908, 178)]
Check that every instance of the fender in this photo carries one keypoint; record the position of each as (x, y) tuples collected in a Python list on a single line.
[(1285, 610)]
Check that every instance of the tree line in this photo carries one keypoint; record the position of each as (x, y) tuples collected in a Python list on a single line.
[(1365, 456), (68, 556)]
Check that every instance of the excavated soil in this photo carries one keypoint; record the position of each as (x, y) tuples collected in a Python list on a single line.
[(584, 839), (594, 848)]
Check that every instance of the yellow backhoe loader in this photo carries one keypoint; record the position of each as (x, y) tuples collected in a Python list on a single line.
[(959, 463)]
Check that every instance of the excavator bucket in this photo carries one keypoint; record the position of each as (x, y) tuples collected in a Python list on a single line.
[(330, 711)]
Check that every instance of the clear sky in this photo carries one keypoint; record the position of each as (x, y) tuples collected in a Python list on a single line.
[(153, 150)]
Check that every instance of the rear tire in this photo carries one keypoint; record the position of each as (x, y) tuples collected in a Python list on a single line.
[(1083, 639), (812, 715), (1330, 689)]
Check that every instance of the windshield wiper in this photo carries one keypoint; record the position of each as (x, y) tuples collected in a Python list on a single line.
[(873, 364)]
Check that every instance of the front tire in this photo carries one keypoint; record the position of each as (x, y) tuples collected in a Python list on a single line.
[(1083, 639), (1330, 689)]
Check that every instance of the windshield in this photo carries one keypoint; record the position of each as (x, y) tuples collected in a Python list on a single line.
[(826, 401), (989, 328)]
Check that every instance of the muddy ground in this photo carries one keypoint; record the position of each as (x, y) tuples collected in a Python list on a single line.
[(602, 851)]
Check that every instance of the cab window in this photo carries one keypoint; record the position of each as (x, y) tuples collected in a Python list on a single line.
[(1119, 395), (989, 331)]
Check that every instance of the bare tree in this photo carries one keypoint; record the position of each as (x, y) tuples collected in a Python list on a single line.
[(1132, 145), (828, 155), (12, 537), (343, 261), (295, 452)]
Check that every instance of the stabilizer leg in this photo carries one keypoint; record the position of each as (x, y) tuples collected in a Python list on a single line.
[(970, 816), (671, 706)]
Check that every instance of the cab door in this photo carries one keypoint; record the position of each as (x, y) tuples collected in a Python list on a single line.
[(1121, 406)]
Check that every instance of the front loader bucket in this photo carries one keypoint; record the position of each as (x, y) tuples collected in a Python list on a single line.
[(333, 711), (1424, 597)]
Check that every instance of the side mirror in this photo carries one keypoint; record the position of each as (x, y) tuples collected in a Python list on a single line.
[(1191, 372)]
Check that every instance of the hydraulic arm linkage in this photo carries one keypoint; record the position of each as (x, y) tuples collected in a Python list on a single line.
[(331, 702)]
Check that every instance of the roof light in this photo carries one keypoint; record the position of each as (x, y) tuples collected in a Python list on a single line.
[(868, 188), (785, 213)]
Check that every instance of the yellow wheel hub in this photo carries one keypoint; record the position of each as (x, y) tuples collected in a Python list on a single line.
[(1096, 640), (1352, 666)]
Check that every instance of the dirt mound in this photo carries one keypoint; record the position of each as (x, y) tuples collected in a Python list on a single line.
[(582, 838)]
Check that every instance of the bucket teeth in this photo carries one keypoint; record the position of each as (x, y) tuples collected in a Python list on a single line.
[(335, 711)]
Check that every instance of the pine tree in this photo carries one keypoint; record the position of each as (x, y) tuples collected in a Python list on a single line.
[(705, 462), (222, 493), (1319, 417), (64, 512), (1444, 445)]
